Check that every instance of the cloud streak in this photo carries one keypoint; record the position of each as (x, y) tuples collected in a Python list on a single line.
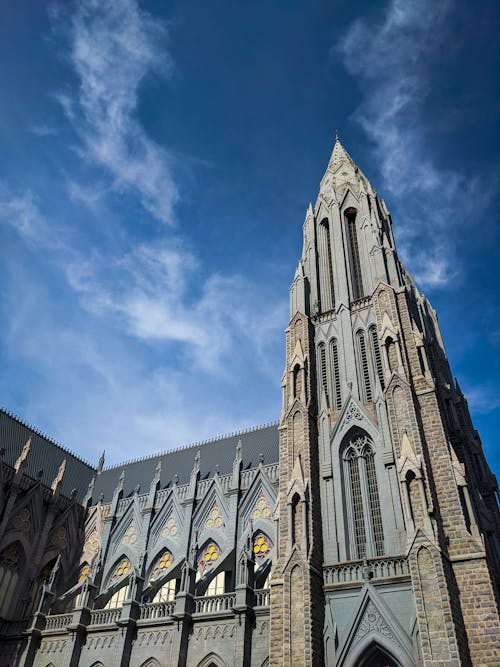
[(393, 62), (114, 48)]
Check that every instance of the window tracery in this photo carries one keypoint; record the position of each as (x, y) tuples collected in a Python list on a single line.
[(262, 548), (170, 528), (167, 592), (214, 519), (121, 570), (130, 536), (162, 565), (209, 555), (363, 497), (10, 560), (59, 538), (261, 508), (22, 521)]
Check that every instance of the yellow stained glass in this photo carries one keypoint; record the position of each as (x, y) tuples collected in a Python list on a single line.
[(214, 555)]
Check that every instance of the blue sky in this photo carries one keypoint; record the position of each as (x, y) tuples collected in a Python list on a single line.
[(157, 161)]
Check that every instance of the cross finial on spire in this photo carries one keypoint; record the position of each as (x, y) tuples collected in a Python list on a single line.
[(336, 135)]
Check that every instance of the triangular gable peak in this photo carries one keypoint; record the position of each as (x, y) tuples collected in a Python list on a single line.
[(212, 514), (408, 460), (349, 198), (374, 623), (297, 484), (93, 532), (353, 414), (28, 514), (125, 534), (388, 329), (168, 523), (298, 355), (256, 509), (65, 533)]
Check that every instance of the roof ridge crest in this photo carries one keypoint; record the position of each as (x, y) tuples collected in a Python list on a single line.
[(43, 435), (198, 443)]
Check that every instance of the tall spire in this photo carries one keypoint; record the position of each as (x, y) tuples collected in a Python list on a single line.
[(339, 155)]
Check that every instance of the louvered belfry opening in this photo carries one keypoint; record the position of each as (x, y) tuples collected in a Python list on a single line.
[(355, 263), (326, 267)]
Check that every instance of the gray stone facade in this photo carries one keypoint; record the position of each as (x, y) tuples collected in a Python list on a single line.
[(361, 530)]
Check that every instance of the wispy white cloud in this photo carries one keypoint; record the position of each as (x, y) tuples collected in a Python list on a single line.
[(482, 399), (393, 61), (43, 130), (113, 48)]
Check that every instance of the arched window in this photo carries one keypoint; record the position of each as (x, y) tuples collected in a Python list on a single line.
[(336, 388), (323, 374), (167, 592), (216, 585), (297, 381), (355, 264), (362, 497), (118, 598), (392, 354), (325, 267), (376, 356), (363, 368), (296, 533), (10, 563)]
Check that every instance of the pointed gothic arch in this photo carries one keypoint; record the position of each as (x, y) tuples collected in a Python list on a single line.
[(361, 493), (212, 660), (151, 662)]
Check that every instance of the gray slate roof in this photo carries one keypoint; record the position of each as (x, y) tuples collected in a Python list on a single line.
[(221, 451), (44, 454)]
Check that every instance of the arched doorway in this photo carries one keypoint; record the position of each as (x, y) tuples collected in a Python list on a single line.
[(376, 657)]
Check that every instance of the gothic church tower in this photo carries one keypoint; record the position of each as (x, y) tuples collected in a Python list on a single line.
[(387, 516)]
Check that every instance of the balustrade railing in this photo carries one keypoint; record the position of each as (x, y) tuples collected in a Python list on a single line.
[(9, 628), (262, 596), (155, 610), (104, 616), (355, 571), (58, 621), (213, 604)]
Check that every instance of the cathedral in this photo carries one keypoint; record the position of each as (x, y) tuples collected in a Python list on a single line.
[(361, 529)]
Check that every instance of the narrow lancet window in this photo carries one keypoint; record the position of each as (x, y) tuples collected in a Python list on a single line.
[(323, 372), (355, 263), (297, 382), (357, 504), (366, 531), (336, 389), (364, 371), (326, 267), (376, 515), (377, 358)]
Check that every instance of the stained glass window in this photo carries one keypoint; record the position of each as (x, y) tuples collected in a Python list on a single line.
[(162, 565), (208, 557), (261, 547), (121, 570), (214, 519), (84, 572), (261, 508)]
